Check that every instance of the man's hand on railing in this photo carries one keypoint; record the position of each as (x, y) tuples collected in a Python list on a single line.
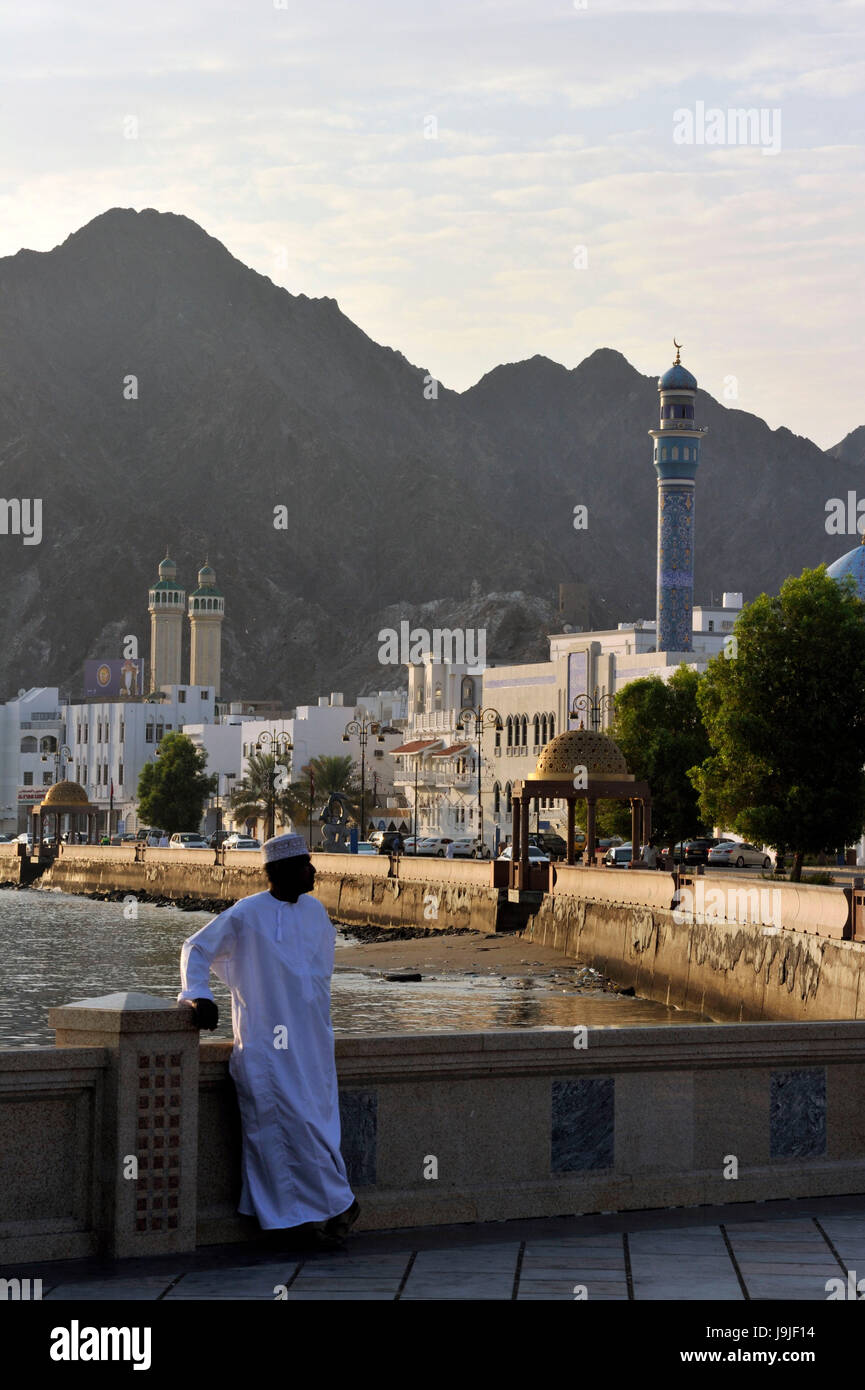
[(204, 1011)]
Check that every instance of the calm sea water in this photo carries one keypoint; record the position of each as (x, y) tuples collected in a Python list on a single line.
[(55, 948)]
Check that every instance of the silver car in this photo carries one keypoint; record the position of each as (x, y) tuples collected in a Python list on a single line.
[(738, 854)]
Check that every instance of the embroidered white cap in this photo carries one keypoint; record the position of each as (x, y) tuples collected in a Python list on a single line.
[(284, 847)]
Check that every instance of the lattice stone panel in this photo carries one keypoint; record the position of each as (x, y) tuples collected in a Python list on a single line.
[(158, 1141)]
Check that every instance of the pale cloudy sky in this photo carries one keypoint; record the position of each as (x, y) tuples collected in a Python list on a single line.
[(434, 166)]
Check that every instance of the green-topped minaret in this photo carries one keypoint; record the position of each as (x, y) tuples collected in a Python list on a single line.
[(206, 613), (166, 602)]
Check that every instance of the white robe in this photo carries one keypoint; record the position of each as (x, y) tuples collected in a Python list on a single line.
[(277, 960)]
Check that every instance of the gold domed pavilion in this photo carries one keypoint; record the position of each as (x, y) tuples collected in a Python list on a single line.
[(578, 764), (64, 799)]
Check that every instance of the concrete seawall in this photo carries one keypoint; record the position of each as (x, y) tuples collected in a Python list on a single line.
[(429, 893), (732, 972), (801, 961)]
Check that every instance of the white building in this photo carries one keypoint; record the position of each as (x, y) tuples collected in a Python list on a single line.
[(532, 702)]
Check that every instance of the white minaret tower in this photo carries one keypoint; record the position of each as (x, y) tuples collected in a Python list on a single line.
[(206, 612), (165, 602)]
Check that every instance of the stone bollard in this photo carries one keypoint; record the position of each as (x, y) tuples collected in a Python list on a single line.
[(149, 1123)]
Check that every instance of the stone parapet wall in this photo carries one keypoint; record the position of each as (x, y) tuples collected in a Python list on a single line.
[(436, 1128)]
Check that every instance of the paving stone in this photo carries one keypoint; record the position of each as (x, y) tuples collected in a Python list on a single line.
[(147, 1287), (256, 1281)]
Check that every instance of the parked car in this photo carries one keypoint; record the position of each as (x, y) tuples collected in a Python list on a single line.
[(738, 854), (608, 842), (536, 856), (434, 844), (184, 839), (129, 839), (239, 842), (410, 842), (551, 843), (387, 841), (469, 847), (618, 856), (366, 847), (6, 837), (693, 851)]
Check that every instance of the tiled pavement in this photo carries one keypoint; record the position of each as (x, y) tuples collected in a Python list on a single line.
[(774, 1250)]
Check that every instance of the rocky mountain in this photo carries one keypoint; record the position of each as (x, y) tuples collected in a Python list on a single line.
[(156, 393), (851, 449)]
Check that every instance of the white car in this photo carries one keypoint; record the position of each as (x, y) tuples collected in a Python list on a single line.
[(470, 848), (434, 844), (187, 840), (366, 847), (738, 853), (536, 856), (240, 842)]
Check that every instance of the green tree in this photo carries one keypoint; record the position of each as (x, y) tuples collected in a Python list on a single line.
[(172, 791), (264, 793), (785, 714), (660, 730)]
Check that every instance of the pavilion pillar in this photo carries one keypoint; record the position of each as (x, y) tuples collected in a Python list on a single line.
[(524, 841), (572, 815), (515, 838), (591, 802)]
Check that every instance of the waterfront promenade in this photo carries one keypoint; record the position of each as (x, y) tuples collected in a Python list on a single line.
[(751, 1252)]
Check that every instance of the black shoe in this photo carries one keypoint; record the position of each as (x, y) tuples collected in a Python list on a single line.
[(338, 1227)]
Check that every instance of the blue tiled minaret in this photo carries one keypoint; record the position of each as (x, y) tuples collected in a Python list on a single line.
[(677, 454)]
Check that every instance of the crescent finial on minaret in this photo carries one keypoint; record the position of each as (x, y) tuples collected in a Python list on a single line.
[(678, 347)]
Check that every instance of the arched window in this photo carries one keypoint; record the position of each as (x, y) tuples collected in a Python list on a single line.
[(675, 452), (536, 730), (552, 726), (543, 728), (525, 729), (509, 805), (48, 744), (438, 697), (28, 744), (497, 799), (468, 691), (510, 730)]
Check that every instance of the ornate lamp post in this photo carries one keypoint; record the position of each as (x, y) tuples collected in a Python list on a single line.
[(594, 706), (363, 728), (64, 754), (481, 716), (281, 745)]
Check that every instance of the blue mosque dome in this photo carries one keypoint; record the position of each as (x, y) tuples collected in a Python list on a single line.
[(851, 563), (677, 378)]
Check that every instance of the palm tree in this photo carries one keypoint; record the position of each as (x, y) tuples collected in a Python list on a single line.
[(259, 797)]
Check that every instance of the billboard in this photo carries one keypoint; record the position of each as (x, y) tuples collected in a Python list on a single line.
[(120, 679)]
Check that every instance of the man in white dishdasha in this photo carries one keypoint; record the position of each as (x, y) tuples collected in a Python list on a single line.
[(274, 950)]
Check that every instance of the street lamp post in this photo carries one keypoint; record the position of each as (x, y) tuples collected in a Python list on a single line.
[(61, 754), (363, 728), (481, 716), (592, 705), (281, 745)]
